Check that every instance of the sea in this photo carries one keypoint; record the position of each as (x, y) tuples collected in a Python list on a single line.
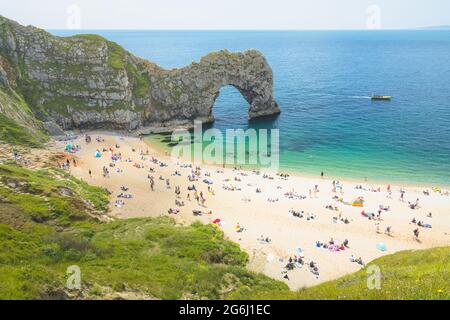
[(323, 81)]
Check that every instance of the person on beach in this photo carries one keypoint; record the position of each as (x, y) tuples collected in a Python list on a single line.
[(377, 228), (197, 198), (105, 172), (90, 173), (152, 183), (388, 231), (202, 198), (316, 190), (416, 234)]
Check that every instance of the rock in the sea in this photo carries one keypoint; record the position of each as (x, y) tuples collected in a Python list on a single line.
[(86, 81)]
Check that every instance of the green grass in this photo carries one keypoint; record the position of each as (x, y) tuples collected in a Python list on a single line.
[(116, 54), (407, 275), (50, 195), (47, 224), (13, 133), (44, 230)]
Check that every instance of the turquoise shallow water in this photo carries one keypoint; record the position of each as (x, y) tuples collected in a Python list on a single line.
[(322, 83)]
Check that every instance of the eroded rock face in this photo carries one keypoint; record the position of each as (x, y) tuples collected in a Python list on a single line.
[(88, 82), (12, 105)]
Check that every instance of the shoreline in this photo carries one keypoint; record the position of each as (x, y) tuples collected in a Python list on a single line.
[(160, 147), (264, 214)]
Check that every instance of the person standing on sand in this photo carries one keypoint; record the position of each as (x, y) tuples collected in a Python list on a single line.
[(322, 174), (152, 184), (202, 198), (388, 230), (389, 190), (90, 173), (416, 234), (377, 228)]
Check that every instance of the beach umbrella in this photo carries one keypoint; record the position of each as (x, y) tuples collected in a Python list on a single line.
[(382, 247), (217, 221), (301, 252)]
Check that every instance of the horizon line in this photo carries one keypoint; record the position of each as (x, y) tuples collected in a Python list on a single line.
[(437, 28)]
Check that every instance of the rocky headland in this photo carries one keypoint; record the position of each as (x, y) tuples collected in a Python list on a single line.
[(88, 82)]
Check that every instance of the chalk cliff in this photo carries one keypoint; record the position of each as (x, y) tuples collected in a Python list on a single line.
[(86, 81)]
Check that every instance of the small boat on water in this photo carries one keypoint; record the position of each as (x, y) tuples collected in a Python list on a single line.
[(381, 97)]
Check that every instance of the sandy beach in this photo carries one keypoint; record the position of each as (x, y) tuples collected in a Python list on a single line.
[(292, 213)]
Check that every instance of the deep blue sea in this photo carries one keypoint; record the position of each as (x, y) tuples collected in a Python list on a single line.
[(323, 80)]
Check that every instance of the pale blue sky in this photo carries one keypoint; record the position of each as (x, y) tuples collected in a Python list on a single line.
[(227, 14)]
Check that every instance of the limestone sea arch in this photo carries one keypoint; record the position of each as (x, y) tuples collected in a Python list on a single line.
[(87, 81)]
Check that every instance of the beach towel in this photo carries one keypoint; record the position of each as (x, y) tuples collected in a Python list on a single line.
[(300, 252), (270, 257), (334, 248)]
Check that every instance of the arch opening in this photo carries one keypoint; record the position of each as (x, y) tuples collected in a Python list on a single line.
[(230, 108)]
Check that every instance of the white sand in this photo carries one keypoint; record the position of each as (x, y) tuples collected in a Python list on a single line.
[(273, 220)]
